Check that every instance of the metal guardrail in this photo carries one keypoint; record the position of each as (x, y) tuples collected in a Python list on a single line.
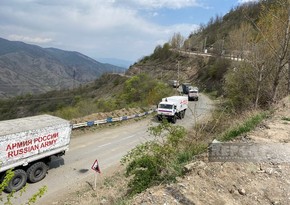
[(110, 120)]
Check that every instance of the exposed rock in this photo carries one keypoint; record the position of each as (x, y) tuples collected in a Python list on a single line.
[(195, 165), (242, 191)]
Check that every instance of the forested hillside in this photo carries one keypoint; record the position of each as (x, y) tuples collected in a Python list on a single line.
[(256, 34)]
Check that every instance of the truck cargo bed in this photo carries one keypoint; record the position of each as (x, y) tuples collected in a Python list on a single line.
[(25, 140)]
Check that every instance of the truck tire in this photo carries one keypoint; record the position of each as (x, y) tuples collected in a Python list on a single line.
[(37, 172), (183, 114), (17, 181), (174, 119)]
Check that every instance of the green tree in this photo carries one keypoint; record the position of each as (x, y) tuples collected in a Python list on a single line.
[(177, 41), (246, 44), (239, 87), (143, 90), (264, 47), (274, 28), (162, 52), (238, 40)]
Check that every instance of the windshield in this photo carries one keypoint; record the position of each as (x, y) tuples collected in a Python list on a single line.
[(165, 106)]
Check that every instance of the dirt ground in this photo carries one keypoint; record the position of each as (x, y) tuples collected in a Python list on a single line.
[(216, 183)]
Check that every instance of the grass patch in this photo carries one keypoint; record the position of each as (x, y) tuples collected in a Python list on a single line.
[(245, 127), (286, 118), (188, 154)]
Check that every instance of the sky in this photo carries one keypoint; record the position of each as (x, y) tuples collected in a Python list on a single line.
[(120, 29)]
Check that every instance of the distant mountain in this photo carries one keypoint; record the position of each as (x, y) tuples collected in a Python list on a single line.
[(26, 68), (116, 62)]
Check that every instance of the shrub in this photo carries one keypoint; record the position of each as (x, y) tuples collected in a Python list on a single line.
[(142, 90), (286, 118), (155, 161), (13, 195)]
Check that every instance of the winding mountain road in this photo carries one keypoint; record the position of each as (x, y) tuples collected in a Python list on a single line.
[(108, 145)]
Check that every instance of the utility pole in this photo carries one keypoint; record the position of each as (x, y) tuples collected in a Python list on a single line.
[(288, 64), (204, 44), (74, 78), (222, 50), (178, 71)]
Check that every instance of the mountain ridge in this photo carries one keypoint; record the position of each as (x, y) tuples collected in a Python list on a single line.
[(27, 68)]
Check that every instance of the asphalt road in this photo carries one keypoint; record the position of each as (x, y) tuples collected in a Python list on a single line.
[(107, 145)]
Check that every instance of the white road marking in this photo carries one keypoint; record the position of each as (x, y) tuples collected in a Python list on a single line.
[(105, 144)]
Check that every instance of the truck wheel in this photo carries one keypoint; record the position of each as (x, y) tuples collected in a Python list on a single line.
[(17, 181), (183, 114), (37, 172), (174, 119)]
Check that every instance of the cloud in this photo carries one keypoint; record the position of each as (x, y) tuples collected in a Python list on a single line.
[(246, 1), (97, 28), (155, 4), (37, 40)]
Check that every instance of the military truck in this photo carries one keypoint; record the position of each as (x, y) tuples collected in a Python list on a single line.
[(29, 144)]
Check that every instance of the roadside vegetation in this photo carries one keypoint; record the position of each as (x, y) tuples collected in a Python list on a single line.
[(245, 126), (9, 198), (160, 160)]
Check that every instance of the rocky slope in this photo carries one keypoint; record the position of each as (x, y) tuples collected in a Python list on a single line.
[(182, 67)]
